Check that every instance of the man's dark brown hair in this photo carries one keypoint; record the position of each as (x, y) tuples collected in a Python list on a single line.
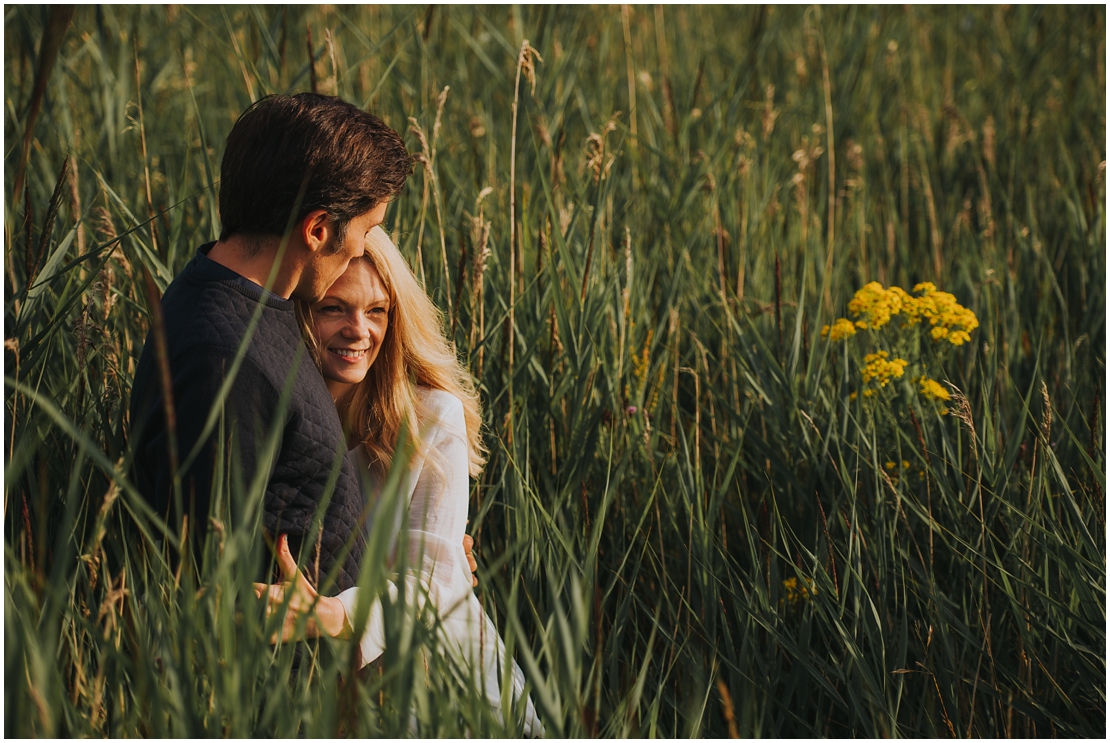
[(346, 160)]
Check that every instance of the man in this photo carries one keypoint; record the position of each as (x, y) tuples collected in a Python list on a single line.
[(304, 178)]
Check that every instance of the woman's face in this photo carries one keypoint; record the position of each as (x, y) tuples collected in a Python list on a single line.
[(350, 323)]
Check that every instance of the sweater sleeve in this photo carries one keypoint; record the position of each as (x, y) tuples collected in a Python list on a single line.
[(230, 453)]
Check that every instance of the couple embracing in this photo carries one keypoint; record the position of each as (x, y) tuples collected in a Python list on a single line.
[(304, 322)]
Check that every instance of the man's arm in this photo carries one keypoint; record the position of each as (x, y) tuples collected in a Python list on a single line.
[(229, 452)]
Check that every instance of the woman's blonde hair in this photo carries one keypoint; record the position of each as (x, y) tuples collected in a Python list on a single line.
[(414, 352)]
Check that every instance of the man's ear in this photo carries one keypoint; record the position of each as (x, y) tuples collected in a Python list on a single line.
[(316, 229)]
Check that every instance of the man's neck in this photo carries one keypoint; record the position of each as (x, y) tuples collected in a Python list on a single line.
[(253, 258)]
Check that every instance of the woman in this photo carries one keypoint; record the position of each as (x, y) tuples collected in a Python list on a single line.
[(380, 345)]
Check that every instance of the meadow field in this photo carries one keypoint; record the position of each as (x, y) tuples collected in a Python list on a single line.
[(704, 513)]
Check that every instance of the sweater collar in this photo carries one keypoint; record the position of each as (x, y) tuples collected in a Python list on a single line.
[(219, 273)]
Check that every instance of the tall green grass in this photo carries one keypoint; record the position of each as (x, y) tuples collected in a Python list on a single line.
[(697, 191)]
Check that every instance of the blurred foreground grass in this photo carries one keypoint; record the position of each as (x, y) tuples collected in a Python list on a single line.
[(690, 523)]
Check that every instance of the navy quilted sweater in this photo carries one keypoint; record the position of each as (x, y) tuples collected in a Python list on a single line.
[(207, 310)]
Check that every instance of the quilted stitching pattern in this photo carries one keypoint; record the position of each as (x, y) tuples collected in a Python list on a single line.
[(209, 316)]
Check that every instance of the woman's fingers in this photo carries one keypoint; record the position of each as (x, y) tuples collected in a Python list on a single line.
[(294, 589), (468, 547), (285, 559)]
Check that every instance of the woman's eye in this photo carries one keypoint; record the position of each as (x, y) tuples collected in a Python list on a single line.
[(329, 309)]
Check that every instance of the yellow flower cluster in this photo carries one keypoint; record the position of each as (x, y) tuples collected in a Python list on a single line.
[(933, 390), (876, 368), (875, 306), (840, 330), (795, 594), (892, 470), (950, 320)]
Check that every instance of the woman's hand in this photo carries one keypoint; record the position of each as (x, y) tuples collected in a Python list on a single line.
[(326, 614), (468, 548)]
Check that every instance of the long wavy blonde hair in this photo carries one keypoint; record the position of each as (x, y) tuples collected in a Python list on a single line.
[(414, 352)]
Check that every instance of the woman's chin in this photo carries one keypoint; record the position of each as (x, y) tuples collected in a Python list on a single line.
[(346, 374)]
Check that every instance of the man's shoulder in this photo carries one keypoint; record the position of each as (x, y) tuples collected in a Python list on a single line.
[(194, 305), (201, 312)]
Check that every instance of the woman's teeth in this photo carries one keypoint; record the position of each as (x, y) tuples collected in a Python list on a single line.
[(348, 353)]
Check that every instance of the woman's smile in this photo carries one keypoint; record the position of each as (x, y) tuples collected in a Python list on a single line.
[(350, 355)]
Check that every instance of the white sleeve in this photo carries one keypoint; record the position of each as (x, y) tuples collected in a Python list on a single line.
[(372, 642), (440, 501), (436, 520)]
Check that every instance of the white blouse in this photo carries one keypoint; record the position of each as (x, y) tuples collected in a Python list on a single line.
[(438, 497)]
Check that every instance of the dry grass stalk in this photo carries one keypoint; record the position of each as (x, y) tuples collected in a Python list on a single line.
[(427, 158), (332, 85), (831, 217), (441, 101), (962, 411), (769, 112), (665, 67), (238, 58), (479, 239), (53, 35), (29, 232), (526, 66), (597, 160), (142, 139), (1046, 416), (726, 708), (631, 73), (75, 207), (920, 137), (312, 83)]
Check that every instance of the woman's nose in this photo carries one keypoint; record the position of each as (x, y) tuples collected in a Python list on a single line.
[(357, 327)]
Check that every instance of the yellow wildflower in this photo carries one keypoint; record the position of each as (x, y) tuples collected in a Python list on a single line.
[(874, 307), (949, 319), (911, 310), (933, 390), (959, 337), (876, 368), (876, 304), (795, 594), (840, 330)]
